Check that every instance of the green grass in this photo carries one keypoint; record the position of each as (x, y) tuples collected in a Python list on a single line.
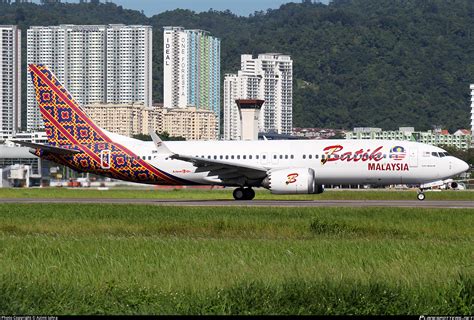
[(137, 259), (221, 194)]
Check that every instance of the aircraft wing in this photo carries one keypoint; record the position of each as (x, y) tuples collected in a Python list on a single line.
[(52, 149), (225, 170)]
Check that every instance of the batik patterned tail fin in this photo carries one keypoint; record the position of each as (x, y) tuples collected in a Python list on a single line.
[(65, 122)]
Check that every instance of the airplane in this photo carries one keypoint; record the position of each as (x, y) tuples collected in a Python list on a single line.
[(281, 166)]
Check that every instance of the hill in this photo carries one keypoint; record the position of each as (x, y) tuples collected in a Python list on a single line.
[(377, 63)]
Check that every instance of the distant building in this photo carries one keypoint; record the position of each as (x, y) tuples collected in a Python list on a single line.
[(35, 137), (125, 119), (461, 139), (10, 80), (190, 123), (268, 77), (18, 167), (318, 133), (96, 63), (191, 69), (133, 119)]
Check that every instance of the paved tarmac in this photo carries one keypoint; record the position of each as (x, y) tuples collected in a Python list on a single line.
[(254, 203)]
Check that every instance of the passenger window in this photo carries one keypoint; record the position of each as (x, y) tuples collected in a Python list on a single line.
[(292, 157), (215, 157), (274, 156), (244, 157), (310, 156), (227, 157), (304, 156), (256, 157), (264, 157), (316, 156), (286, 156), (149, 157), (232, 157), (281, 156), (221, 157), (238, 156), (250, 157), (209, 157)]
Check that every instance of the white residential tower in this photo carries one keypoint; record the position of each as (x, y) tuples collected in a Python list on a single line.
[(268, 77), (472, 111), (10, 80)]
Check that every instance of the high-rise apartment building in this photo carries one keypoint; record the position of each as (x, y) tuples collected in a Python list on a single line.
[(191, 69), (237, 86), (472, 110), (268, 77), (97, 63), (10, 80)]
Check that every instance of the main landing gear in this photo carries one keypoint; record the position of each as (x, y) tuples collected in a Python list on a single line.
[(420, 195), (244, 194)]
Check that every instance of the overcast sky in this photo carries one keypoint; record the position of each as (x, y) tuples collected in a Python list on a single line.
[(240, 7)]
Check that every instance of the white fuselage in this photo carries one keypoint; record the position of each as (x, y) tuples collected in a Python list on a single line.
[(333, 161)]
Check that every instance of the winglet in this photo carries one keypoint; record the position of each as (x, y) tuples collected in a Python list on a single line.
[(159, 144)]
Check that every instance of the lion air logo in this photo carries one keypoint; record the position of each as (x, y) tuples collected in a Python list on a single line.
[(397, 153), (291, 178)]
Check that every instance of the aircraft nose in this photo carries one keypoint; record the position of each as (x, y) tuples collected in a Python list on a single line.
[(462, 166)]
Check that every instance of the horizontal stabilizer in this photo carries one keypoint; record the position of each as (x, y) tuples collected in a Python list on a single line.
[(57, 150)]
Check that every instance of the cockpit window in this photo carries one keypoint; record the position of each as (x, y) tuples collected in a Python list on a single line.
[(434, 154), (446, 154), (441, 154)]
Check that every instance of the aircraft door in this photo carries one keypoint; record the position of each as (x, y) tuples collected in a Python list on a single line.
[(413, 157), (105, 159)]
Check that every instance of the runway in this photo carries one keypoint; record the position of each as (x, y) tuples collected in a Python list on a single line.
[(254, 203)]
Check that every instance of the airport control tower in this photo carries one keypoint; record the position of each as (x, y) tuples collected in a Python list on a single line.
[(249, 110)]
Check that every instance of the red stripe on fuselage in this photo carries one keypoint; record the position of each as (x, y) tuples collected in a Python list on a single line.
[(75, 142), (146, 164)]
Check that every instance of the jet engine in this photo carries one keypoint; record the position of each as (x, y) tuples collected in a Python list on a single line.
[(292, 181)]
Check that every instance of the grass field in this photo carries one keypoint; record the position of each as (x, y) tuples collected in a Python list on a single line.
[(221, 194), (136, 259)]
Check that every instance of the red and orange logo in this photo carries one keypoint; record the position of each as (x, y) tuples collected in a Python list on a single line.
[(291, 178)]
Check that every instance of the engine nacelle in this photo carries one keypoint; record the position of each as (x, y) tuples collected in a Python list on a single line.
[(292, 181)]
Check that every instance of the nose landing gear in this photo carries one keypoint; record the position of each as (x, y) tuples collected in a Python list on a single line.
[(244, 194)]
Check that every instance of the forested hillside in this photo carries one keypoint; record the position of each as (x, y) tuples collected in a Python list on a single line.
[(384, 63)]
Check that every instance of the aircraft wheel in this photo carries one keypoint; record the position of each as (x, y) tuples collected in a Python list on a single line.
[(421, 196), (249, 194), (239, 194)]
